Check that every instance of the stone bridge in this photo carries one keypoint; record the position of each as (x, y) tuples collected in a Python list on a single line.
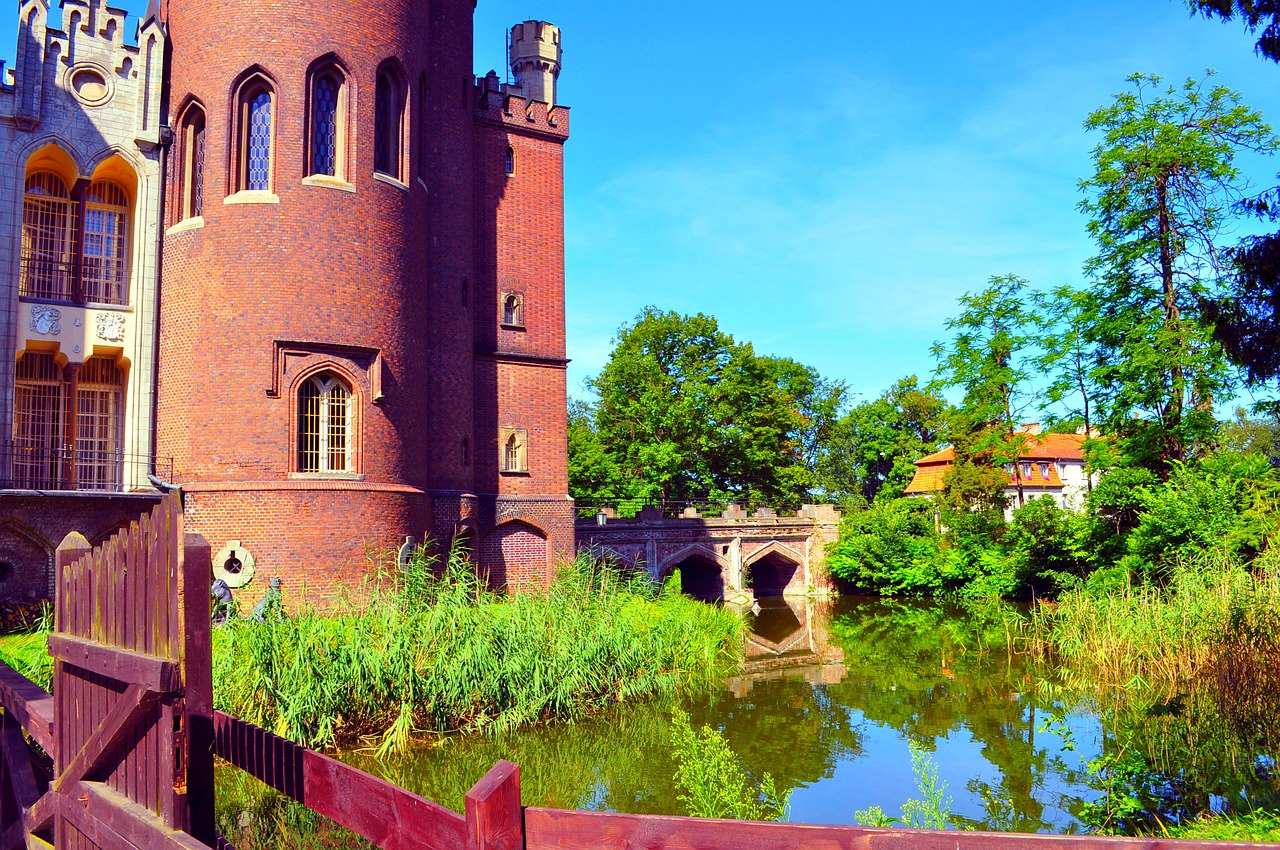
[(732, 556)]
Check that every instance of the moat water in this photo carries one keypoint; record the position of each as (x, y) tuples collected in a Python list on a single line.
[(830, 698)]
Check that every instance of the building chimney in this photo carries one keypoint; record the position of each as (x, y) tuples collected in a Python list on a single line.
[(534, 55)]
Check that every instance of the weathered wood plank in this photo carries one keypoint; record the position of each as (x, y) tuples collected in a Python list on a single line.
[(30, 705), (197, 661), (493, 815), (101, 745), (158, 674), (138, 826), (17, 762), (557, 829), (391, 817), (388, 815)]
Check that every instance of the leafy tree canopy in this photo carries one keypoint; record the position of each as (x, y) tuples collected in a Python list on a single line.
[(1257, 15), (1165, 186), (687, 413)]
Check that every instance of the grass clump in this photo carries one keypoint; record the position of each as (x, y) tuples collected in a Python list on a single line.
[(441, 652), (1206, 616), (712, 781), (28, 652)]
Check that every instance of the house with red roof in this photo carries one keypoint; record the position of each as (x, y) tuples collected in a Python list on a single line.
[(1051, 465)]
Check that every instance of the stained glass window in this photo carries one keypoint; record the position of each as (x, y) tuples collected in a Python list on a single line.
[(324, 127), (258, 149)]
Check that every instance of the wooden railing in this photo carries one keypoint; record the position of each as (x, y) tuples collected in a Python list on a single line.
[(132, 735)]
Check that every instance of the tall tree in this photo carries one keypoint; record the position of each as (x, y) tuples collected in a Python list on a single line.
[(687, 413), (1067, 358), (1164, 187), (988, 359), (872, 449), (593, 476), (1246, 318)]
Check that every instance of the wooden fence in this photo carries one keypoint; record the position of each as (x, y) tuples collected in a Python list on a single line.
[(121, 756)]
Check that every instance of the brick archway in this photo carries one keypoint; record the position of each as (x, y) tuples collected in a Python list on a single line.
[(514, 555)]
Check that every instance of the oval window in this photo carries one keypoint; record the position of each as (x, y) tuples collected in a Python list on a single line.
[(89, 85)]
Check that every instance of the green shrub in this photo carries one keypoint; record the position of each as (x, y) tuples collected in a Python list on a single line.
[(891, 547)]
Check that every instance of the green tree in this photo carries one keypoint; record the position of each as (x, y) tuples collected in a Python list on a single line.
[(1256, 14), (687, 413), (1164, 185), (988, 359), (593, 476), (871, 452)]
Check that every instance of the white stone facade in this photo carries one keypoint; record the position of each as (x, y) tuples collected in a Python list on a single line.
[(84, 104)]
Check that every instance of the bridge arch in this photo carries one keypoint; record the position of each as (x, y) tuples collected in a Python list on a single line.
[(770, 570), (703, 571)]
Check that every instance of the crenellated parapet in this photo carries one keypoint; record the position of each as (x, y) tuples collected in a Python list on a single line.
[(505, 106)]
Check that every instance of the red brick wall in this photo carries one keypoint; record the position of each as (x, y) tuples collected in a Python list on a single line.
[(31, 527), (514, 554), (320, 541)]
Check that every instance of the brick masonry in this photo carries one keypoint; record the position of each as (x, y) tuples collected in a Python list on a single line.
[(32, 526)]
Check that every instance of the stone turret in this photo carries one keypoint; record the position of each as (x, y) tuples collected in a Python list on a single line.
[(534, 55)]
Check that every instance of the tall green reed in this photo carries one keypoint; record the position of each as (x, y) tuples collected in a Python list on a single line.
[(434, 650)]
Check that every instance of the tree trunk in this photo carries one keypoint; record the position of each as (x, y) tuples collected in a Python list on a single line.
[(1172, 316)]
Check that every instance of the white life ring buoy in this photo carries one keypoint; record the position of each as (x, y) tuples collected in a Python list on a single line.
[(234, 564)]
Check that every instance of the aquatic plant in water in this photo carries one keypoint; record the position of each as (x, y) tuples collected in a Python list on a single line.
[(932, 810), (712, 781)]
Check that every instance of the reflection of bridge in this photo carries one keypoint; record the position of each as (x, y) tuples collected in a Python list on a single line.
[(731, 556), (790, 637)]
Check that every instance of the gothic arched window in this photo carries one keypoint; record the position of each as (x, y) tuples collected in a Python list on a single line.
[(192, 140), (255, 135), (324, 425), (328, 122), (388, 128), (104, 270)]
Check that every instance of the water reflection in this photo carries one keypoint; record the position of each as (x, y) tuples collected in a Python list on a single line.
[(828, 698)]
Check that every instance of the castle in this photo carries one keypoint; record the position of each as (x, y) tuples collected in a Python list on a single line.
[(314, 276)]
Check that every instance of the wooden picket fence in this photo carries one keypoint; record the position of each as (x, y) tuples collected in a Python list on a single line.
[(121, 756)]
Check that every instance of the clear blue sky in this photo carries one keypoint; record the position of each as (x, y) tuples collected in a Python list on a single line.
[(826, 177)]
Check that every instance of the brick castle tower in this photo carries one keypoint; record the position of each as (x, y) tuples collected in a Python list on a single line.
[(362, 294)]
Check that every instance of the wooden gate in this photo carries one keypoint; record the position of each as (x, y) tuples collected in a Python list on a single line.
[(130, 735)]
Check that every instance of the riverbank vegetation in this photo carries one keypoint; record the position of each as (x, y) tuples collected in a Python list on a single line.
[(441, 653)]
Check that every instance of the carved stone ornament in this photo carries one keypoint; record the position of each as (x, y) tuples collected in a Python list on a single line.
[(46, 319), (110, 326)]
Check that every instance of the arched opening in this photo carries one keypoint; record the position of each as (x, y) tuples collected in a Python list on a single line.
[(254, 149), (327, 129), (388, 128), (771, 575), (701, 578), (191, 162), (514, 555)]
